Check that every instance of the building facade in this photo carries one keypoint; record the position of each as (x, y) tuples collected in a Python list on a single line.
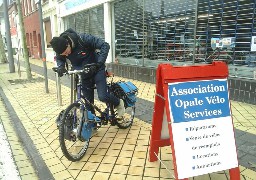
[(143, 34), (13, 19), (32, 28), (2, 26), (52, 25), (146, 33)]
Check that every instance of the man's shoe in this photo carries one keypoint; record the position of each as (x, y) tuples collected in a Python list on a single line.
[(120, 108)]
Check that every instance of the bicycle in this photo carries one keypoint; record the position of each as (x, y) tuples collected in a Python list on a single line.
[(77, 123)]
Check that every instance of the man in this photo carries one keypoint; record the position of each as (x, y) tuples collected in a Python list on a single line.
[(81, 49)]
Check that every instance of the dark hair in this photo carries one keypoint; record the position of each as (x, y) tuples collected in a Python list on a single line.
[(59, 44)]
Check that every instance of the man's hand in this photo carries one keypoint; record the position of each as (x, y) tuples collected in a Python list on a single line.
[(94, 68), (61, 71), (99, 64)]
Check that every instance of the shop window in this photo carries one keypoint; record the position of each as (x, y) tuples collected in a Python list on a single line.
[(34, 38), (150, 32), (48, 32), (27, 39), (90, 21), (156, 30)]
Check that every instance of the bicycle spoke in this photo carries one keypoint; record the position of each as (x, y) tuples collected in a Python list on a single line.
[(72, 147)]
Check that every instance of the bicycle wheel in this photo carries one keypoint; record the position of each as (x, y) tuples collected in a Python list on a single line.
[(127, 119), (71, 145)]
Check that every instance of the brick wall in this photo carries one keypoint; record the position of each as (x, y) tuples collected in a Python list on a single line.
[(31, 24), (243, 90)]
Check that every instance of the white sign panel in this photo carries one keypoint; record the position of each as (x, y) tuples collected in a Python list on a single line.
[(202, 127), (253, 43)]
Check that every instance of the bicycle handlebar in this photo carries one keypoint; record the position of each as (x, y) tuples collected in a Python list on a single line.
[(85, 70), (75, 72)]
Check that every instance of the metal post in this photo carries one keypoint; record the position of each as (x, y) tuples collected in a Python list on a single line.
[(58, 87), (143, 37), (8, 37), (73, 90), (43, 45), (18, 58), (195, 28)]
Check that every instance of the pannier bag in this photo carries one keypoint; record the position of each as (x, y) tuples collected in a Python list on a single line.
[(92, 117), (126, 91), (89, 125)]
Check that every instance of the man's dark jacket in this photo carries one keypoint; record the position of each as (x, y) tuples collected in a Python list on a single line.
[(84, 50)]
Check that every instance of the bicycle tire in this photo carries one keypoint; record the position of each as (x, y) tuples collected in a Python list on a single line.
[(72, 147), (126, 120)]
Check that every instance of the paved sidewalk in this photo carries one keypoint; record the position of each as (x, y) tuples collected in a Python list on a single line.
[(22, 168), (113, 153)]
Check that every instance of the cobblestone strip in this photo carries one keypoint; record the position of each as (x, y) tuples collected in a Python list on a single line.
[(8, 168)]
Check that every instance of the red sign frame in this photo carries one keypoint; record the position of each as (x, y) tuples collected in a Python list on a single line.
[(166, 73)]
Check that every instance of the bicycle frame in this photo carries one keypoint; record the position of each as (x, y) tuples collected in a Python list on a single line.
[(77, 124), (108, 114)]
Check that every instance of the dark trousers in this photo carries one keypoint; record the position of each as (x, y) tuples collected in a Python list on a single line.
[(101, 85)]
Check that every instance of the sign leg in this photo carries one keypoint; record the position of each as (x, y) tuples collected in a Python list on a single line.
[(153, 151), (155, 141), (234, 173)]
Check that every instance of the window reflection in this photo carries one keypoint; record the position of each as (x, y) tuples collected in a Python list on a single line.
[(158, 31)]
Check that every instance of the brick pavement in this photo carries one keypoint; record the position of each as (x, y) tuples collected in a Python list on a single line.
[(113, 153)]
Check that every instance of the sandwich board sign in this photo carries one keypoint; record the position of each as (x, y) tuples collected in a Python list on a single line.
[(192, 114)]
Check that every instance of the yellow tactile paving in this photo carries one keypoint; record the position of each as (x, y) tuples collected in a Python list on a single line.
[(22, 161), (113, 153)]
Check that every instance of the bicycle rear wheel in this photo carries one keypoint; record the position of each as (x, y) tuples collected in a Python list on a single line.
[(127, 119), (72, 147)]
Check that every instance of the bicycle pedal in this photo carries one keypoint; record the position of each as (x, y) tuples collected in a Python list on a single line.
[(113, 123), (119, 119), (104, 122)]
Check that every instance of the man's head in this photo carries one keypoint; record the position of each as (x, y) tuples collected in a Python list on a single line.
[(60, 45)]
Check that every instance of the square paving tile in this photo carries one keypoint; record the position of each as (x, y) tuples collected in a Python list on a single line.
[(90, 166), (136, 170), (109, 160), (123, 161), (117, 177), (95, 158), (100, 176)]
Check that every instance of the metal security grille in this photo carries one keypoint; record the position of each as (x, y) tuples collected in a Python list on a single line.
[(227, 20), (154, 30), (129, 28), (96, 19), (90, 21), (149, 32), (82, 22)]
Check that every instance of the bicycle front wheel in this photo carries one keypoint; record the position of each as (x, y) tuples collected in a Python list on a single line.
[(127, 119), (71, 145)]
